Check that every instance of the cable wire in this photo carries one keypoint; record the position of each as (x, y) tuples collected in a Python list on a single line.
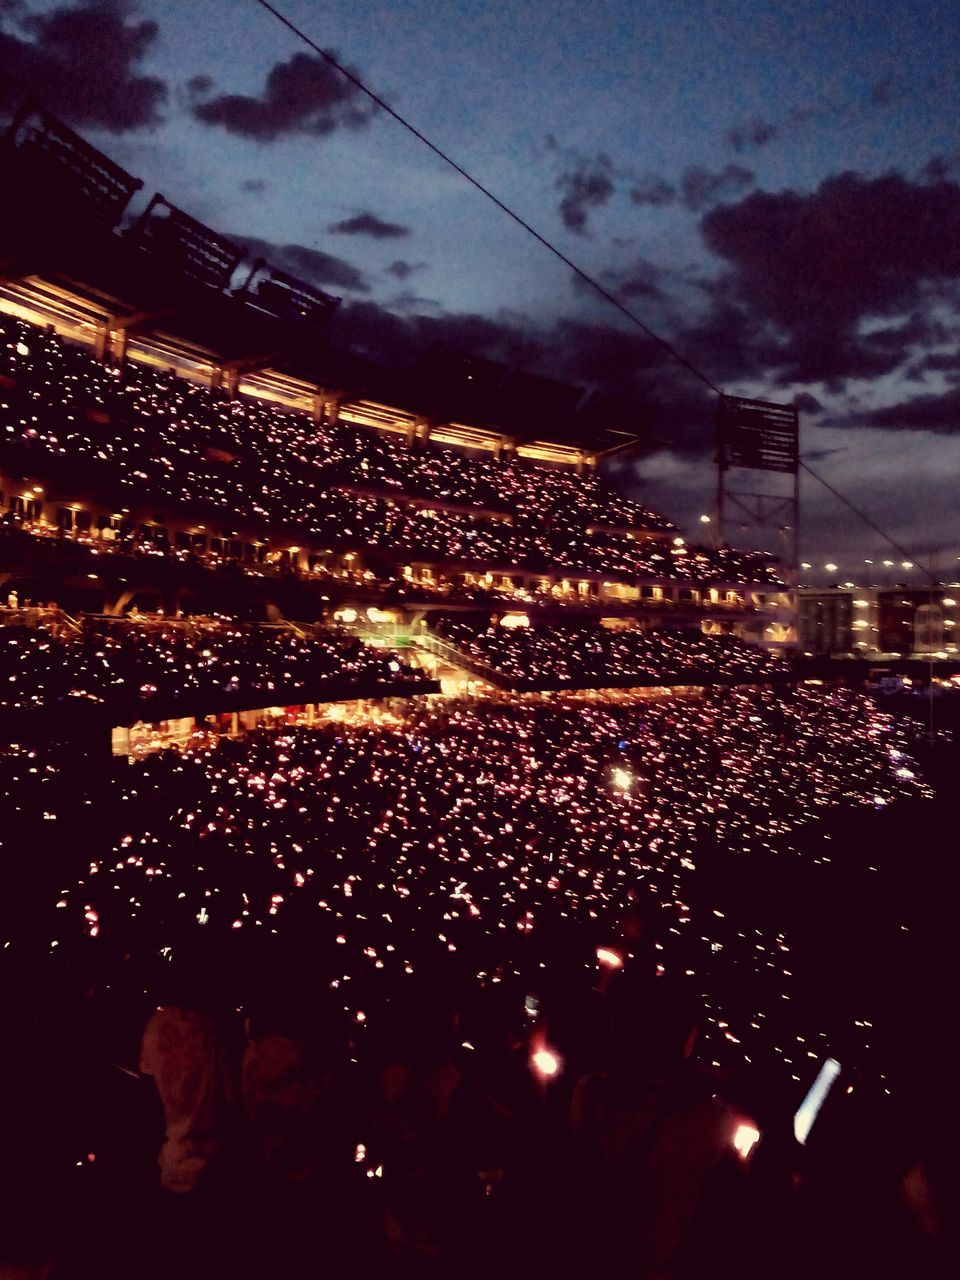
[(504, 208), (867, 521), (551, 248)]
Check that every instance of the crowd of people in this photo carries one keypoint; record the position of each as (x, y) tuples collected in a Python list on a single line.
[(584, 656), (457, 984), (139, 664), (146, 431), (420, 920)]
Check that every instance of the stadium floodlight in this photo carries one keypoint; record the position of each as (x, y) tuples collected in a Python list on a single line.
[(704, 519), (806, 565), (906, 564), (830, 567), (888, 564)]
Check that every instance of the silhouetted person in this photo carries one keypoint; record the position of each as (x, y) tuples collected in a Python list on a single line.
[(187, 1050), (654, 1155)]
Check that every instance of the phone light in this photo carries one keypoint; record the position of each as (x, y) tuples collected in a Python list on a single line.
[(809, 1108), (745, 1138), (545, 1062)]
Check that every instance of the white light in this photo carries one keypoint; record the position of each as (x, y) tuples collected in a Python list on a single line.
[(545, 1062), (830, 568), (805, 564), (888, 564), (622, 779), (809, 1108), (610, 959), (745, 1138), (704, 519), (906, 564)]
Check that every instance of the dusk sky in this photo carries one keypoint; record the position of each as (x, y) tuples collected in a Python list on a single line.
[(772, 186)]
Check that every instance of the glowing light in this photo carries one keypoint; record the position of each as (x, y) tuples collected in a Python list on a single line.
[(745, 1138), (545, 1062), (809, 1108), (609, 959), (622, 778)]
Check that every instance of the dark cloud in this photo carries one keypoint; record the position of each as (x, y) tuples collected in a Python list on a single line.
[(700, 187), (312, 265), (808, 403), (946, 362), (382, 335), (302, 96), (754, 132), (821, 455), (586, 185), (83, 63), (641, 279), (887, 90), (413, 302), (639, 285), (810, 268), (368, 224), (653, 191), (403, 269), (255, 186), (697, 188), (758, 133), (941, 168), (595, 356), (938, 413)]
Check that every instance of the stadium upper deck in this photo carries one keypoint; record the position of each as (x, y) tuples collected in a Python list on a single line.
[(184, 422)]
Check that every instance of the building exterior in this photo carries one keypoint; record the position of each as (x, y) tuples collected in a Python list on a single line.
[(918, 620), (838, 620)]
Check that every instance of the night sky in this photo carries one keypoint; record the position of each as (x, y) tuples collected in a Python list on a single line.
[(774, 187)]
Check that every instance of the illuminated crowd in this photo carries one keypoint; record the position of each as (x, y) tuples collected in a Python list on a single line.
[(585, 656), (340, 486), (477, 828), (406, 921), (135, 664)]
